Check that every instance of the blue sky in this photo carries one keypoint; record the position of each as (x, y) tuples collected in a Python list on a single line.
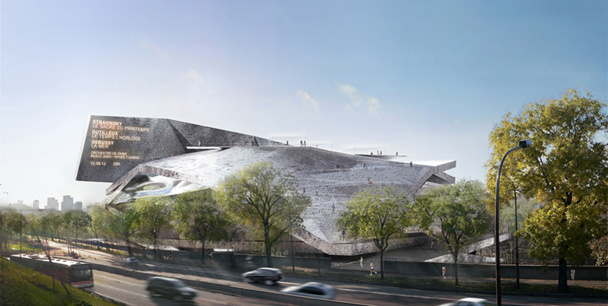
[(429, 79)]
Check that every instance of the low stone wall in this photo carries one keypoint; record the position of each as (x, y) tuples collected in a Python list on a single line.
[(417, 269)]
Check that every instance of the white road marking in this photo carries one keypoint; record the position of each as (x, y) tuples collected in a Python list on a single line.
[(102, 276), (395, 294), (131, 292)]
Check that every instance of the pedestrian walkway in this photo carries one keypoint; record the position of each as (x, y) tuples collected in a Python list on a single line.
[(424, 252)]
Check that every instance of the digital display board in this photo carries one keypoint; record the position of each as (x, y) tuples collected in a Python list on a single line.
[(115, 145)]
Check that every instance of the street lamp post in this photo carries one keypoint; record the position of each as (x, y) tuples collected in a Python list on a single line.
[(516, 246), (522, 144)]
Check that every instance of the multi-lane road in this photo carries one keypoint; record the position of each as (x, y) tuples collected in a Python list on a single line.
[(131, 290)]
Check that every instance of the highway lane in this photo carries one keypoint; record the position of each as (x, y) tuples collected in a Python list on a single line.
[(132, 291)]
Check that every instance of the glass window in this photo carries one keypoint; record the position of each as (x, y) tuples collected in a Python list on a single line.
[(79, 275)]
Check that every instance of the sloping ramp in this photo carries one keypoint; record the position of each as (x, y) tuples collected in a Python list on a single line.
[(465, 255)]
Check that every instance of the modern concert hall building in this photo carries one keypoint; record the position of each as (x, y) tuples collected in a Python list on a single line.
[(161, 157)]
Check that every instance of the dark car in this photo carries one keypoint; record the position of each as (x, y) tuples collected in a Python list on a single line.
[(170, 288), (268, 276)]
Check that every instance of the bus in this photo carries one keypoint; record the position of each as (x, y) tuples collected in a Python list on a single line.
[(76, 273)]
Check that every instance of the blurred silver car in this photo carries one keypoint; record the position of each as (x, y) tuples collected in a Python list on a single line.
[(312, 289), (131, 261), (470, 302), (268, 276)]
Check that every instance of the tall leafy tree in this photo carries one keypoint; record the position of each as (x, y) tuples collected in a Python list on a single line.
[(76, 221), (52, 221), (120, 224), (379, 214), (265, 199), (153, 214), (454, 214), (124, 225), (565, 169), (12, 223), (96, 227), (198, 217)]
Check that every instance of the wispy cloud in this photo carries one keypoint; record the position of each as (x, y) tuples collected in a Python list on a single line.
[(357, 99), (146, 43), (191, 75), (307, 100)]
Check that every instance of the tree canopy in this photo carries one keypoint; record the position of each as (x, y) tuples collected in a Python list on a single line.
[(565, 169), (455, 214), (153, 214), (76, 221), (378, 214), (121, 224), (198, 217), (265, 199)]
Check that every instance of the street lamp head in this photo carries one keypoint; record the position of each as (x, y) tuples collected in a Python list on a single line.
[(525, 143)]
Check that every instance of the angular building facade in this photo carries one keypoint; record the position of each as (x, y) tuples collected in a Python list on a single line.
[(151, 157)]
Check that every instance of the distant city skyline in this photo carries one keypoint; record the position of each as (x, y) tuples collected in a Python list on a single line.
[(429, 79), (45, 204)]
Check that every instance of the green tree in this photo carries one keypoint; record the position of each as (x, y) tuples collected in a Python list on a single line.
[(378, 214), (454, 214), (76, 221), (50, 224), (507, 213), (599, 251), (153, 214), (119, 224), (265, 199), (565, 169), (198, 217), (96, 227), (12, 223)]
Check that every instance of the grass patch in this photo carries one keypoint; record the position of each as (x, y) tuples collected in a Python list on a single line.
[(25, 247), (24, 286)]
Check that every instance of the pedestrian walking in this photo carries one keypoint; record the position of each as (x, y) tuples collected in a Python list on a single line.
[(443, 271), (361, 261), (371, 268), (572, 274)]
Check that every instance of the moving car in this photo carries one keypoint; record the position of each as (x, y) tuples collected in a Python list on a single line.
[(470, 302), (312, 289), (170, 288), (268, 276), (131, 261)]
